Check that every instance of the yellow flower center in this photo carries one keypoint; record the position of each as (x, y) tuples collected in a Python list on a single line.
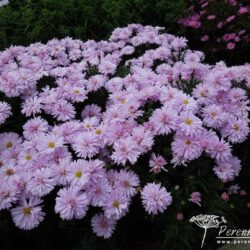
[(236, 127), (185, 101), (9, 144), (116, 204), (188, 121), (98, 131), (51, 144), (28, 157), (88, 125), (213, 114), (76, 91), (26, 210), (188, 142), (78, 174), (122, 101)]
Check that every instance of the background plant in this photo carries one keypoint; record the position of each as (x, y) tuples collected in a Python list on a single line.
[(220, 28)]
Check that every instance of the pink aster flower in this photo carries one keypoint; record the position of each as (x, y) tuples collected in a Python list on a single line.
[(86, 144), (90, 111), (28, 214), (127, 181), (71, 203), (8, 172), (213, 116), (155, 198), (164, 120), (79, 173), (186, 148), (5, 111), (116, 204), (189, 124), (9, 194), (228, 169), (125, 150), (196, 198), (32, 106), (97, 191), (34, 127), (42, 182), (63, 111), (221, 150), (157, 163), (102, 226), (143, 138), (107, 67), (236, 130), (9, 141), (60, 171), (48, 143)]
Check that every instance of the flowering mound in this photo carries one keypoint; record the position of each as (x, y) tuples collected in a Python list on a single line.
[(78, 118)]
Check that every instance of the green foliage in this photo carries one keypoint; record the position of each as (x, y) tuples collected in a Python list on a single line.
[(27, 21)]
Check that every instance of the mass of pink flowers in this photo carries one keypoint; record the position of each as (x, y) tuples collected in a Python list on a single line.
[(88, 151), (219, 22)]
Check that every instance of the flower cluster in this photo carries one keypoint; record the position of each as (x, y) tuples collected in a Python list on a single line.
[(224, 29), (145, 84)]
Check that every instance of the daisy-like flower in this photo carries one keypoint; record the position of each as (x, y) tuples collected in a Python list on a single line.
[(189, 124), (116, 204), (127, 181), (9, 194), (9, 141), (92, 110), (186, 147), (97, 192), (63, 111), (157, 163), (107, 67), (48, 143), (155, 198), (60, 171), (227, 170), (34, 127), (204, 93), (164, 120), (71, 203), (221, 150), (28, 214), (27, 157), (236, 130), (125, 150), (8, 171), (213, 116), (32, 106), (5, 111), (196, 198), (86, 144), (143, 138), (42, 182), (184, 102), (79, 173), (102, 226)]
